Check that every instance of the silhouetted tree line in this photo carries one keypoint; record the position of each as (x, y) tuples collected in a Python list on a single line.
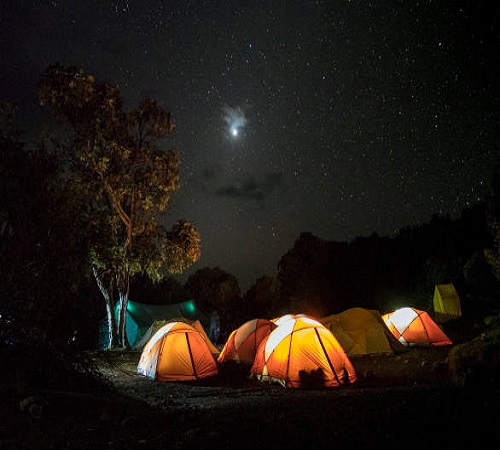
[(386, 273)]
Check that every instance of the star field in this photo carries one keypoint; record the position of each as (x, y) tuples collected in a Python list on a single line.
[(352, 117)]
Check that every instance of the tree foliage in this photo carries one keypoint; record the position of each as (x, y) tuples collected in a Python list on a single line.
[(130, 180), (310, 269), (216, 290), (262, 299), (385, 273), (166, 291), (41, 229), (492, 254)]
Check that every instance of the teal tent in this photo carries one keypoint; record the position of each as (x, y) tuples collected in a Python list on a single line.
[(140, 317)]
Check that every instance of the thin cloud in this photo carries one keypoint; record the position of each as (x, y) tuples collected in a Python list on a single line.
[(251, 188)]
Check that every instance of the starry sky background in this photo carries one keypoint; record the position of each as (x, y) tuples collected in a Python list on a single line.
[(350, 117)]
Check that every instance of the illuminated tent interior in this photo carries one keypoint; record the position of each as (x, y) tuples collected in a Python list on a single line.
[(414, 327), (362, 331), (140, 317), (242, 343), (177, 352), (299, 351), (446, 303)]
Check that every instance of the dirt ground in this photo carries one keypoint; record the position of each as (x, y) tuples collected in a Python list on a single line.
[(408, 400)]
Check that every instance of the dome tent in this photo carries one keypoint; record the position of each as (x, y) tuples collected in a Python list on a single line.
[(177, 352), (414, 327), (243, 342), (362, 331), (299, 350)]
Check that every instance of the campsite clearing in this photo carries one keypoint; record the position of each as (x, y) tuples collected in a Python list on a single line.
[(394, 394), (405, 398), (417, 366)]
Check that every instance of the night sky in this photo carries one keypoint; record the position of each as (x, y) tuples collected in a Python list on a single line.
[(339, 118)]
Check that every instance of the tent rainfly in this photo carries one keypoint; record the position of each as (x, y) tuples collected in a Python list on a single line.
[(446, 303), (362, 331), (177, 352), (414, 327), (243, 342), (140, 317), (300, 352)]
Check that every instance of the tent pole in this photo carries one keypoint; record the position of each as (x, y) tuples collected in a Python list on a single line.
[(327, 357), (191, 356)]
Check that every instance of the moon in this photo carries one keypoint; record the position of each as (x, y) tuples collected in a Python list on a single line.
[(235, 120)]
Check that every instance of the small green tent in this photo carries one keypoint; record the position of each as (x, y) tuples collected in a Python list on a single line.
[(140, 317), (446, 303)]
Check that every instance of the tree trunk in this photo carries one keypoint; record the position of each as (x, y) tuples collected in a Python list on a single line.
[(123, 292), (107, 293)]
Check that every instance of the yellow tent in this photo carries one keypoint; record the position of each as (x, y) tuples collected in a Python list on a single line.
[(362, 331), (446, 303)]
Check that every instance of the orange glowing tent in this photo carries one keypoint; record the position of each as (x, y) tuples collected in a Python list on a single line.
[(301, 349), (243, 342), (414, 327), (286, 317), (177, 352)]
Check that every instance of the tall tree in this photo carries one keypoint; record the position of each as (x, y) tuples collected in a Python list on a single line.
[(262, 299), (313, 269), (216, 290), (129, 178)]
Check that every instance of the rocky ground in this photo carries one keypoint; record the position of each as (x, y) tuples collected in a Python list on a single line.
[(408, 400)]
